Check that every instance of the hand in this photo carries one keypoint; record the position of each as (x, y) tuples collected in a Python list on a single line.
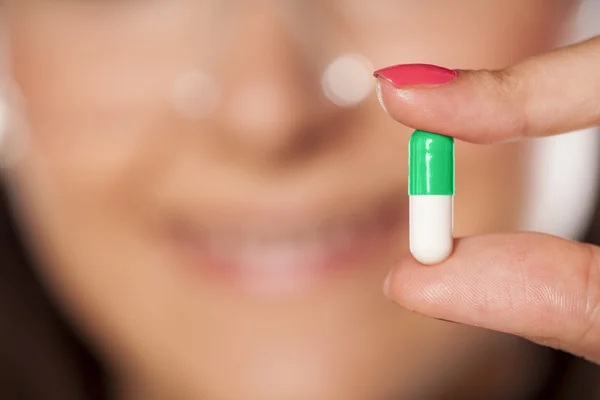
[(543, 288)]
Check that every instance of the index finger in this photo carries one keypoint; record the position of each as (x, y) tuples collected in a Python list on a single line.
[(549, 94)]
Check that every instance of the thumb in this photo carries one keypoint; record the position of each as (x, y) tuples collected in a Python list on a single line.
[(540, 287), (548, 94)]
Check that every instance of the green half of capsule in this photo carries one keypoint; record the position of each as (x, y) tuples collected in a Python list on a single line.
[(430, 164)]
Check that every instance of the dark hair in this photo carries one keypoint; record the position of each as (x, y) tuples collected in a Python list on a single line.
[(41, 357)]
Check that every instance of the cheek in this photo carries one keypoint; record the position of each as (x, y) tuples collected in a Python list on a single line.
[(97, 81), (96, 137)]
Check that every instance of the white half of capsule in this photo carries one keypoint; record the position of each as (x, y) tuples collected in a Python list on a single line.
[(431, 226)]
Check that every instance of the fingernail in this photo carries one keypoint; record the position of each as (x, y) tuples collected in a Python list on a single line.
[(411, 75), (379, 91), (386, 285), (445, 320)]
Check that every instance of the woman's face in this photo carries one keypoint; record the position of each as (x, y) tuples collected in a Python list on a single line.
[(215, 204)]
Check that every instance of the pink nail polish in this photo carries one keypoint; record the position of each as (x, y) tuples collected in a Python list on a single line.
[(407, 75)]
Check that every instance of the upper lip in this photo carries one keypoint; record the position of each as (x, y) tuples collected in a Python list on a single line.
[(284, 215)]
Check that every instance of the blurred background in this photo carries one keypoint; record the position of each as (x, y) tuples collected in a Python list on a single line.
[(44, 359)]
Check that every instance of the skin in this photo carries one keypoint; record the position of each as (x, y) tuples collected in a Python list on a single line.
[(109, 161), (546, 302)]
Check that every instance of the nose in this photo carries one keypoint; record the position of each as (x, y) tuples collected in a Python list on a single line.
[(272, 105)]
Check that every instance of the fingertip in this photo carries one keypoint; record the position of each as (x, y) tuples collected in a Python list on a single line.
[(400, 280), (379, 92), (475, 106)]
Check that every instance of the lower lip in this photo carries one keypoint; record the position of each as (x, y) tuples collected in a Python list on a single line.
[(362, 249)]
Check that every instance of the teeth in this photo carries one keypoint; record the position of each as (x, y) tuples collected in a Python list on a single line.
[(267, 253), (273, 250), (274, 255)]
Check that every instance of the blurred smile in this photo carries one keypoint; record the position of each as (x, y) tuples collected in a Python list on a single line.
[(269, 249)]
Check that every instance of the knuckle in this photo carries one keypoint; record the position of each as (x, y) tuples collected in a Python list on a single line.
[(510, 91)]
